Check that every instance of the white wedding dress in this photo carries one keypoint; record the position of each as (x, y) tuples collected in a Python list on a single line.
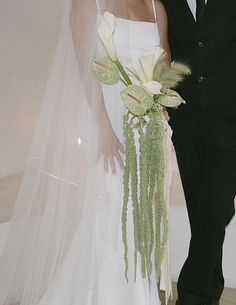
[(109, 286)]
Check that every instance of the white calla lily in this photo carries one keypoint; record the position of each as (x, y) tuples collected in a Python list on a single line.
[(159, 55), (106, 31), (153, 87), (147, 66), (136, 70), (149, 62)]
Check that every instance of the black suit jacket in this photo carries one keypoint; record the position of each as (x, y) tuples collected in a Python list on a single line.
[(210, 50)]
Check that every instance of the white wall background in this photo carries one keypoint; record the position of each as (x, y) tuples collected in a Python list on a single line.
[(28, 35)]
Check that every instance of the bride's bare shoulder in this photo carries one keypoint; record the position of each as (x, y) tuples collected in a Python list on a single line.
[(160, 6)]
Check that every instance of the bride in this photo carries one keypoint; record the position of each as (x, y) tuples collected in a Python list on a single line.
[(64, 246)]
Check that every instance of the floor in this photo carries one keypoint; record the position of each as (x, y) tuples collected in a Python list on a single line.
[(228, 297)]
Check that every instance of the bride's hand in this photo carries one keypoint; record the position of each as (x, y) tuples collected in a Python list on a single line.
[(166, 115), (111, 149)]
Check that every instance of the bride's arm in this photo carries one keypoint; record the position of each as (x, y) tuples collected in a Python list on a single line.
[(84, 30), (163, 28), (163, 32)]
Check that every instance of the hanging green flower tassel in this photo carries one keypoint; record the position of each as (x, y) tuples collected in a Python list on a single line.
[(144, 181)]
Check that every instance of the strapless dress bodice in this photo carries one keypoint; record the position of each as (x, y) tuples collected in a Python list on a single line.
[(135, 38)]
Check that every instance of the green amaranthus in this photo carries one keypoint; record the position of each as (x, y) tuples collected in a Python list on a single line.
[(148, 201)]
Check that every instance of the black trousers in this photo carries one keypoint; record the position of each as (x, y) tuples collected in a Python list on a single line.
[(208, 173)]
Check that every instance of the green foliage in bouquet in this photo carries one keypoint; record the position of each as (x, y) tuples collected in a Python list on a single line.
[(150, 215), (137, 99), (106, 71), (147, 195), (148, 90)]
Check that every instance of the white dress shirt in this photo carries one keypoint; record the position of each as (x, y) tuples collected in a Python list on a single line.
[(193, 6)]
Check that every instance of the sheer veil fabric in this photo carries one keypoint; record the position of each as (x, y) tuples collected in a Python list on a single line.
[(65, 196)]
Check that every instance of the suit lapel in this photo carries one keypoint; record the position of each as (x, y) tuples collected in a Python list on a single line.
[(210, 6)]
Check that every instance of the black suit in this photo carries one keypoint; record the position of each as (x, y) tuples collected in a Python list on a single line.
[(205, 138)]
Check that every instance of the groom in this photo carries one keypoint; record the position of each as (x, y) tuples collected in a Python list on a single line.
[(203, 34)]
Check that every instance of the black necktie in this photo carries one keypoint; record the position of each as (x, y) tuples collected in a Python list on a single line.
[(200, 9)]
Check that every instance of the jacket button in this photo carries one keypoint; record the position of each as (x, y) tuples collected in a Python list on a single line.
[(201, 78), (200, 44)]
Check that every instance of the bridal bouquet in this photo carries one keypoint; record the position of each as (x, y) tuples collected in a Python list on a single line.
[(148, 89)]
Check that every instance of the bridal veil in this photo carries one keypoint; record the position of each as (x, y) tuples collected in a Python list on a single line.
[(65, 189)]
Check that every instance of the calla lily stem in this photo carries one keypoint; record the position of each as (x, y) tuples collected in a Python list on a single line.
[(122, 71), (123, 81)]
